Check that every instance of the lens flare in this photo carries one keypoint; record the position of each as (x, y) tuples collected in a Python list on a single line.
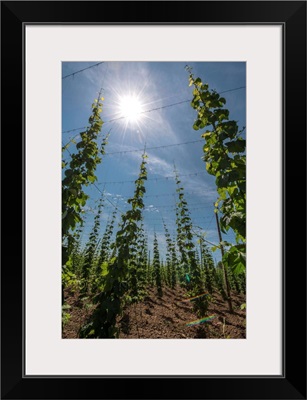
[(196, 297), (200, 321), (130, 108)]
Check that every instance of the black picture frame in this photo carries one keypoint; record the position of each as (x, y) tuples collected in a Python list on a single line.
[(292, 16)]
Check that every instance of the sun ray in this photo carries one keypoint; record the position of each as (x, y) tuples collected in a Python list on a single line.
[(130, 107)]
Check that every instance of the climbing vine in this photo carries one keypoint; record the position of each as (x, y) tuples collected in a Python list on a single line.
[(171, 259), (189, 266), (157, 266), (117, 282), (78, 173), (224, 154), (91, 248)]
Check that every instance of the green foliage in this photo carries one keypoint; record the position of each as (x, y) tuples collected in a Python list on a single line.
[(186, 247), (65, 314), (104, 252), (142, 261), (219, 280), (156, 266), (208, 266), (77, 258), (184, 231), (171, 259), (117, 282), (137, 267), (242, 282), (163, 270), (225, 158), (90, 249), (80, 172), (200, 305), (149, 271), (68, 277), (235, 259), (168, 273)]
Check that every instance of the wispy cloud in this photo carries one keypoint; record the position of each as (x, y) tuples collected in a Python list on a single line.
[(159, 166), (151, 209), (200, 188)]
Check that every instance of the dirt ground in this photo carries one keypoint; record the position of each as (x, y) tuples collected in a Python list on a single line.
[(165, 317)]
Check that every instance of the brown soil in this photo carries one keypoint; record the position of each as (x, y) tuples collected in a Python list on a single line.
[(165, 317)]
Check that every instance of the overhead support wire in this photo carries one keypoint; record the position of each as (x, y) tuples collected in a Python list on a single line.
[(81, 70), (153, 148), (144, 112), (152, 179)]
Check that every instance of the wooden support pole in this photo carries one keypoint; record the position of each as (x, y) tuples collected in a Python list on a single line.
[(227, 286)]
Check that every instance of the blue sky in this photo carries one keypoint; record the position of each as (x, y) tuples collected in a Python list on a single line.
[(157, 86)]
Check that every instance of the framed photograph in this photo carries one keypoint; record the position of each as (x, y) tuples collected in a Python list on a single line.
[(162, 148)]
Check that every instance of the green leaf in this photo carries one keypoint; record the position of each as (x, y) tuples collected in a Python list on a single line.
[(92, 178), (237, 146), (235, 258), (222, 181), (196, 125), (68, 172)]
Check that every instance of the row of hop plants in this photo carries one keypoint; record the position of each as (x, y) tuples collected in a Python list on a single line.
[(147, 273), (140, 271), (117, 272), (140, 275)]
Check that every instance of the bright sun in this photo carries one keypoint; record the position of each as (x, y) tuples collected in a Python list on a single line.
[(130, 108)]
